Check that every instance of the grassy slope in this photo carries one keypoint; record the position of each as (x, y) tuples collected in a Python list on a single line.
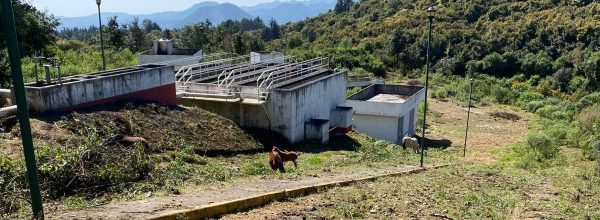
[(487, 184)]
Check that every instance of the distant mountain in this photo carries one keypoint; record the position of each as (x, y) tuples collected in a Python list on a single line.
[(290, 11), (216, 14), (283, 12)]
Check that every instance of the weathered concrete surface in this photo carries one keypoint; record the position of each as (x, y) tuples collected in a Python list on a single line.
[(8, 111), (287, 110), (147, 83), (317, 130)]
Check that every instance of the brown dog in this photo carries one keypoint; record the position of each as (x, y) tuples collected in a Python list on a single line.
[(275, 160), (287, 156)]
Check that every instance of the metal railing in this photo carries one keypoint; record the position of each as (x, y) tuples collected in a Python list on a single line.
[(301, 71), (206, 69), (252, 70)]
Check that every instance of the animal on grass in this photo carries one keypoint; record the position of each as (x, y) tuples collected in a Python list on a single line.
[(288, 156), (411, 143), (127, 141), (275, 160)]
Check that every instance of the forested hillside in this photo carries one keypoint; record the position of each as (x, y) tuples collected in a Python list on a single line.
[(501, 38)]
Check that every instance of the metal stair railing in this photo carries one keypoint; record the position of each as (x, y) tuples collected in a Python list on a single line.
[(185, 74), (320, 61), (227, 78), (302, 73), (250, 76)]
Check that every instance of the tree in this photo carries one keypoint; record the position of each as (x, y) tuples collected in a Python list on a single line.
[(115, 34), (137, 37), (343, 6), (166, 34), (397, 45), (35, 30), (195, 36), (150, 26), (239, 46), (272, 32)]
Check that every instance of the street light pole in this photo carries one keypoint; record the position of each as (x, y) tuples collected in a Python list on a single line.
[(14, 55), (98, 2), (430, 13), (471, 81)]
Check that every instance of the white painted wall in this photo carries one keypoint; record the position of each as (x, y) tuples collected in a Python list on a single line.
[(378, 127)]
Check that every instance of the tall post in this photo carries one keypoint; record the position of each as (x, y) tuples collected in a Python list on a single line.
[(101, 35), (22, 112), (430, 12), (471, 81)]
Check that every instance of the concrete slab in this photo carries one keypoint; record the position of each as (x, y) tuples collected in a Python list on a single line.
[(391, 98)]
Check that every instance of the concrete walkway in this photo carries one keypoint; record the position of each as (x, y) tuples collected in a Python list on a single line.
[(229, 199)]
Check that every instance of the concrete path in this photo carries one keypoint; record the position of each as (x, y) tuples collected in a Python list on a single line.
[(168, 207)]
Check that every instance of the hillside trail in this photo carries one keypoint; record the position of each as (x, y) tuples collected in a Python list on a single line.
[(153, 207)]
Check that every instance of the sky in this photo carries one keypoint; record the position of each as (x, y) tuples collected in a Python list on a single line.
[(74, 8)]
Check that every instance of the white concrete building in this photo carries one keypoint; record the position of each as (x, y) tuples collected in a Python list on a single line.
[(303, 101), (386, 112)]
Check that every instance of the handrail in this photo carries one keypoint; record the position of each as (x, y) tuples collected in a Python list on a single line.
[(285, 71)]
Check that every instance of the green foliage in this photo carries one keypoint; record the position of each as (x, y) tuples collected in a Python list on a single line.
[(35, 31), (90, 167), (256, 168)]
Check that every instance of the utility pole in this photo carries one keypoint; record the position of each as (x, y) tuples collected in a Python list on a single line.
[(22, 110)]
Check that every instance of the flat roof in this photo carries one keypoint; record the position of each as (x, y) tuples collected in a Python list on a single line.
[(391, 98), (386, 93)]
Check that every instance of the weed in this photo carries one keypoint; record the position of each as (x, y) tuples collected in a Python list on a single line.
[(314, 160), (256, 168)]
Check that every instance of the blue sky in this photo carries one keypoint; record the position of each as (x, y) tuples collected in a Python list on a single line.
[(72, 8)]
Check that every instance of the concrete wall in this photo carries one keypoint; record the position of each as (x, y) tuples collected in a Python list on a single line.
[(378, 127), (148, 83), (287, 111), (313, 100)]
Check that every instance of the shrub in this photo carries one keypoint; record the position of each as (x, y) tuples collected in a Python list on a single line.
[(589, 100), (542, 146), (558, 132), (501, 94)]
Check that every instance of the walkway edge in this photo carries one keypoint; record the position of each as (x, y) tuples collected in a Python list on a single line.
[(218, 209)]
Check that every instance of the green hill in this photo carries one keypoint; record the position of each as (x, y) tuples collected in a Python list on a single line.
[(501, 38)]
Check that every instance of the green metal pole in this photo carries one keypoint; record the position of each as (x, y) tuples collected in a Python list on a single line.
[(23, 112), (468, 118), (101, 38), (426, 88)]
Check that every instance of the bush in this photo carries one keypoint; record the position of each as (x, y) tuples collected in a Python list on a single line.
[(589, 100), (558, 132), (542, 146)]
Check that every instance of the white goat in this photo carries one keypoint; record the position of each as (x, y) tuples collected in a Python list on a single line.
[(410, 143)]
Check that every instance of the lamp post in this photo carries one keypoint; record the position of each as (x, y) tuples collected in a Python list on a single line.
[(98, 2), (430, 14), (471, 81)]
